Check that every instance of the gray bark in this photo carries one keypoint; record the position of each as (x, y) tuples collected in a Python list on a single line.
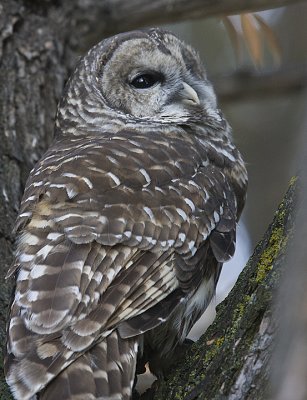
[(39, 43)]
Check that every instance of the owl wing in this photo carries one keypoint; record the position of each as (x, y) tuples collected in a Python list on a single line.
[(100, 240)]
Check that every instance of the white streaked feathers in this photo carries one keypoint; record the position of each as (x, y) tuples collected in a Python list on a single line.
[(146, 176)]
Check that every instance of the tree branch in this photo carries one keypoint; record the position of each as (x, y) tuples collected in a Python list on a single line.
[(126, 15), (251, 83), (290, 357), (91, 20)]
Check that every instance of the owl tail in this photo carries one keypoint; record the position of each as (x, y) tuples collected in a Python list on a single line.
[(105, 372)]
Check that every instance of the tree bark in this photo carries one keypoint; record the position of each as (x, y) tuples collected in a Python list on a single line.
[(289, 379), (39, 44)]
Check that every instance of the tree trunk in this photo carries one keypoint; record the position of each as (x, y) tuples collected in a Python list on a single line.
[(39, 44)]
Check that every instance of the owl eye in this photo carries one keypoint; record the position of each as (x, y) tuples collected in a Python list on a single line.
[(146, 80)]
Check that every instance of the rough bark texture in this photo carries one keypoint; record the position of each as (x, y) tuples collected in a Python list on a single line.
[(232, 360), (39, 43)]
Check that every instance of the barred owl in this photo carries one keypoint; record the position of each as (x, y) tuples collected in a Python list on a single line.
[(125, 221)]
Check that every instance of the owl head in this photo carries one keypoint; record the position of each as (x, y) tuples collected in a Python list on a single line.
[(146, 76)]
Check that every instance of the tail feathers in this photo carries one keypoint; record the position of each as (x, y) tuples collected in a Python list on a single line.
[(105, 372)]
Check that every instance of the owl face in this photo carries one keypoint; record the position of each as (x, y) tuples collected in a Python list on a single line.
[(146, 76), (156, 77)]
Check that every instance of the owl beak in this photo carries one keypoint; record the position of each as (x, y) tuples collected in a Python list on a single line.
[(189, 95)]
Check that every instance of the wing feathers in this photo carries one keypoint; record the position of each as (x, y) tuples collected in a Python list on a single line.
[(106, 372), (104, 247)]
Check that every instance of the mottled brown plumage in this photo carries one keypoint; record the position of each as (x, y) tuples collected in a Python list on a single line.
[(125, 221)]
